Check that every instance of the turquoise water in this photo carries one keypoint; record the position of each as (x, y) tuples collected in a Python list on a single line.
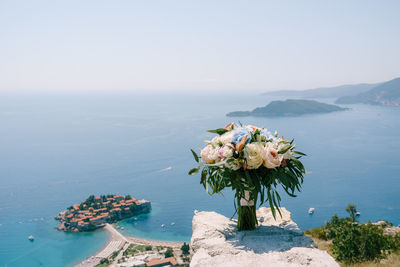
[(56, 149)]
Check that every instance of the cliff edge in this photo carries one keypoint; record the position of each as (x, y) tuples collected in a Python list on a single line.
[(216, 242)]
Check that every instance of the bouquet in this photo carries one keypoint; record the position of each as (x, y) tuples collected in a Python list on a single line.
[(253, 162)]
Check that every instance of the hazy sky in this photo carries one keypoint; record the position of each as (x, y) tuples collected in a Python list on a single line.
[(194, 45)]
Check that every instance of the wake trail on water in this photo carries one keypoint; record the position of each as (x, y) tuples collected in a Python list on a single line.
[(166, 169)]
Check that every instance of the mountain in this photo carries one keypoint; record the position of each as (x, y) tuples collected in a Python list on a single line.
[(385, 94), (290, 107), (325, 92)]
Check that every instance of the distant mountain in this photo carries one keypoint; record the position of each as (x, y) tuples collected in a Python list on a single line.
[(290, 107), (325, 92), (385, 94)]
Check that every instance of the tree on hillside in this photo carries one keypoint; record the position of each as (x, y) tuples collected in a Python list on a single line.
[(89, 200), (185, 248), (351, 209)]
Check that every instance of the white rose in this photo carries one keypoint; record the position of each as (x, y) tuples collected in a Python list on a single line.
[(254, 155), (226, 138), (209, 154), (214, 155), (271, 158), (216, 140)]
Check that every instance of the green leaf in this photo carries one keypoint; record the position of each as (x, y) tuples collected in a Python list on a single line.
[(300, 153), (194, 171), (283, 151), (219, 131), (271, 205), (203, 175), (196, 158)]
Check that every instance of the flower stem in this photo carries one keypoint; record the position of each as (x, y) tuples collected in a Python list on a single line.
[(247, 219)]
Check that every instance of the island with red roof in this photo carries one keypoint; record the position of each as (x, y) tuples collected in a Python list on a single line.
[(96, 211)]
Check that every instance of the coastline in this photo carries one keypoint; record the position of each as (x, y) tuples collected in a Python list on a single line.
[(116, 236)]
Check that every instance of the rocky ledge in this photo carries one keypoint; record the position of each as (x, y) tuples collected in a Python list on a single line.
[(216, 242)]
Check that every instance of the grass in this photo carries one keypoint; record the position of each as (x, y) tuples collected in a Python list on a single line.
[(133, 249)]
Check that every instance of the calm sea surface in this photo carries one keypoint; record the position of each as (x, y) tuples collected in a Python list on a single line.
[(57, 149)]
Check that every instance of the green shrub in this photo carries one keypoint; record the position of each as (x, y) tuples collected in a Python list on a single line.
[(334, 226), (169, 253), (115, 254), (104, 261), (358, 243), (353, 242)]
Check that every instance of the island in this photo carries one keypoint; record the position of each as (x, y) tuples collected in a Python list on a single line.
[(325, 92), (96, 211), (290, 107), (385, 94)]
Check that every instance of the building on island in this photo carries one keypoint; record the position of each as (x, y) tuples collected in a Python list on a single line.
[(95, 212)]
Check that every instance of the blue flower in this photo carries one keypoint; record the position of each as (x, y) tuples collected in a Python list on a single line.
[(239, 134), (266, 133)]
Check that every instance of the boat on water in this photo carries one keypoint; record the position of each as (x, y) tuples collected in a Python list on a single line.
[(172, 223), (162, 225), (31, 238), (358, 214), (311, 211)]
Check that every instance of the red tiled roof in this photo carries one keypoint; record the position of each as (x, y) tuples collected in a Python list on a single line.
[(155, 262), (116, 209)]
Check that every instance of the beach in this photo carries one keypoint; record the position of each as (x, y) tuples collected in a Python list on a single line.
[(118, 241)]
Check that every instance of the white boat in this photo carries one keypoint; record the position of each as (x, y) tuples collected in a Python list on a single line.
[(311, 211), (31, 238), (358, 213), (162, 225), (172, 223), (122, 228)]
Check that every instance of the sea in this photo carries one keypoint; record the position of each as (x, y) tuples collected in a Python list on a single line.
[(56, 149)]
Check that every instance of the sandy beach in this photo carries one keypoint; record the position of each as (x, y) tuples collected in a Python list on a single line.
[(117, 241), (154, 242)]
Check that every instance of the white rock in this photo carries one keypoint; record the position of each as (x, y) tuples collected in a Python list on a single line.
[(280, 242)]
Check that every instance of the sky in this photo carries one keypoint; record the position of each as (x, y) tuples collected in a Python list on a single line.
[(170, 45)]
